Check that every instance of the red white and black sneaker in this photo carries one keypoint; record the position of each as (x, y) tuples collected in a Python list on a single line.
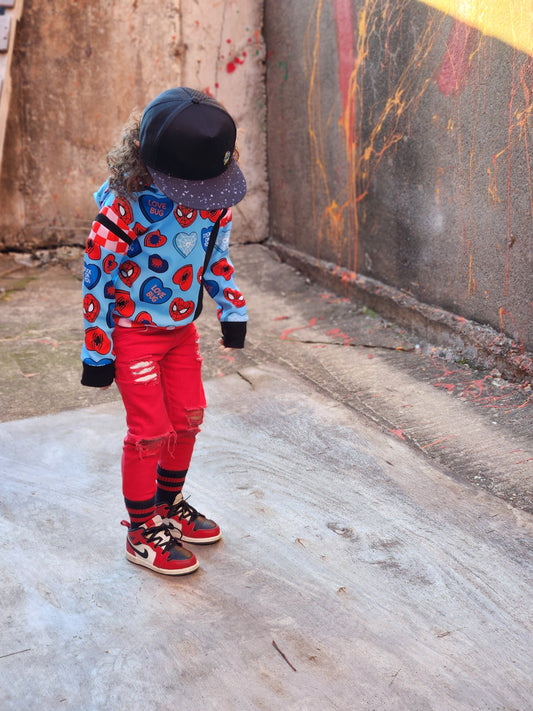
[(153, 546), (187, 524)]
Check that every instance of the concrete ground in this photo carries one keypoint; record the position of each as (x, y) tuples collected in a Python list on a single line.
[(375, 500)]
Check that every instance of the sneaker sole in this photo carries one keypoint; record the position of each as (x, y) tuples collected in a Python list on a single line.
[(163, 571), (201, 541)]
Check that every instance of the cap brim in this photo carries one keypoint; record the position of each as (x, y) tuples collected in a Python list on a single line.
[(225, 190)]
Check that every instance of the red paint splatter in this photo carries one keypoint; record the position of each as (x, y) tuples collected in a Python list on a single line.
[(345, 37), (336, 333), (508, 399), (455, 67), (232, 66)]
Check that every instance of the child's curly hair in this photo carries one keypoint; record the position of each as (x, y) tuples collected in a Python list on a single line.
[(128, 172)]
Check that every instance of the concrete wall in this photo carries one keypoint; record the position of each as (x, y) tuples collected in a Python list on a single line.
[(408, 135), (81, 66)]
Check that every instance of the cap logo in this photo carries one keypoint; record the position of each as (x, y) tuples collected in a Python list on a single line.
[(227, 156)]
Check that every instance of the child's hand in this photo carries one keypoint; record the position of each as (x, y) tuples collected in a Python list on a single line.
[(224, 348)]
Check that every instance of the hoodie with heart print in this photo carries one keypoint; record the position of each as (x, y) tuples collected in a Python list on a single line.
[(144, 267)]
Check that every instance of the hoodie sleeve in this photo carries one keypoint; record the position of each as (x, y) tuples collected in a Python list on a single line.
[(109, 239), (221, 287)]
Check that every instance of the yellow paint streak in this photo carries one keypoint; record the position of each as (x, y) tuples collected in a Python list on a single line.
[(471, 277), (510, 21), (493, 187)]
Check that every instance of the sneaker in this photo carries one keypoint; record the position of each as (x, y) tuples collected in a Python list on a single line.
[(152, 546), (186, 523)]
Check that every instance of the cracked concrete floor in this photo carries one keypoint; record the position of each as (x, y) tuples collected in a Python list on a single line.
[(353, 574)]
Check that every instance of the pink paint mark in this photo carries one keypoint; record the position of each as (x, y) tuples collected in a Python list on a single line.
[(287, 332), (447, 386), (398, 433), (344, 30), (455, 67)]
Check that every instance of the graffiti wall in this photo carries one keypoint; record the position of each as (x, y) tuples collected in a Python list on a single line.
[(407, 127), (80, 67)]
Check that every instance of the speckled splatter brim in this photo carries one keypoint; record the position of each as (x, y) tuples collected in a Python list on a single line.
[(225, 190)]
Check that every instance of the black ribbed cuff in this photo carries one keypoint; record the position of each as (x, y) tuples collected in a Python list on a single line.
[(98, 376), (233, 333)]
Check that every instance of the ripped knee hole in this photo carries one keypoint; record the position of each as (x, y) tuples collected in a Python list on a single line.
[(195, 418), (147, 446), (144, 371)]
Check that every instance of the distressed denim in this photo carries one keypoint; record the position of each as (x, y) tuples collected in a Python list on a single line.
[(158, 373)]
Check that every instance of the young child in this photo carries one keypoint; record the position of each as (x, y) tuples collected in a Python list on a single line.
[(160, 237)]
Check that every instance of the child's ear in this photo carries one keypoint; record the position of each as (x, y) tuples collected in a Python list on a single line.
[(137, 144)]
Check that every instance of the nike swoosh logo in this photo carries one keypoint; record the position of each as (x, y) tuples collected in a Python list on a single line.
[(142, 552)]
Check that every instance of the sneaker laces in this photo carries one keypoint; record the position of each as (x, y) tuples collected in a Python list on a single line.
[(161, 537), (183, 509)]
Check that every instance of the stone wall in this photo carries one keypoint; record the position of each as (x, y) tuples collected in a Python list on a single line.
[(81, 66), (408, 134)]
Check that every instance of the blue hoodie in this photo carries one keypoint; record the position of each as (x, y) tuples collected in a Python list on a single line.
[(143, 266)]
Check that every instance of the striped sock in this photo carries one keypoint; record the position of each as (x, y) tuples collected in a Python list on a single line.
[(140, 511), (169, 485)]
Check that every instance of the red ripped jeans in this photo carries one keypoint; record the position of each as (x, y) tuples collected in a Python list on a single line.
[(158, 374)]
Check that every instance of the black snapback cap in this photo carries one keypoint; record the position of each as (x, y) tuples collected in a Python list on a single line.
[(187, 143)]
